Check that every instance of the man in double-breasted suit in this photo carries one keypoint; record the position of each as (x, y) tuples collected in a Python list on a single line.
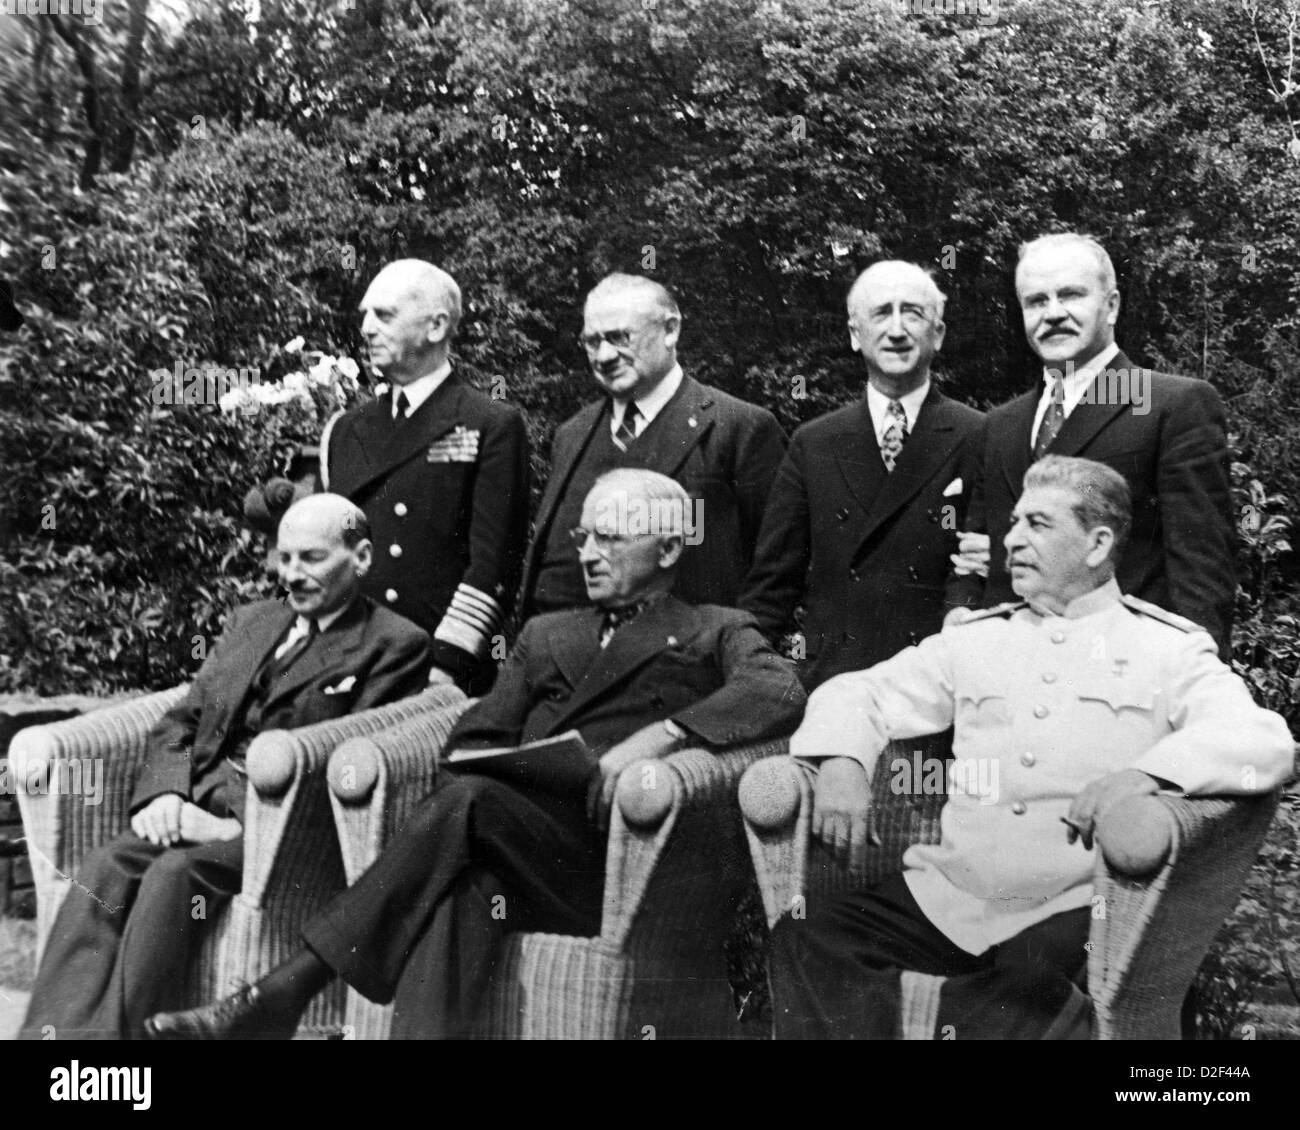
[(441, 471), (1167, 435), (724, 451), (639, 675), (865, 510), (123, 939)]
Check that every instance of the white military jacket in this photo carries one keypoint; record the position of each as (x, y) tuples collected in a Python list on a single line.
[(1042, 705)]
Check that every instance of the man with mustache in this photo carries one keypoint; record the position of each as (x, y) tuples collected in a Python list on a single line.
[(1065, 705), (441, 470), (1167, 435), (724, 451), (639, 675), (125, 933)]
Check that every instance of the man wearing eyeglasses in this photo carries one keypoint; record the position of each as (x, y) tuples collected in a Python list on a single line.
[(865, 510), (652, 415), (441, 471), (639, 675)]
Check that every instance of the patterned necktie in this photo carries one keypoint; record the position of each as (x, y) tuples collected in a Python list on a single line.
[(1053, 418), (891, 446), (626, 431), (401, 405), (615, 618)]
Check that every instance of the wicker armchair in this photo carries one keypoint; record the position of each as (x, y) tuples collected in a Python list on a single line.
[(291, 860), (675, 870), (1148, 936)]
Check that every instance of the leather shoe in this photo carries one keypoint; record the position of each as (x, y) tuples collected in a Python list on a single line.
[(240, 1016)]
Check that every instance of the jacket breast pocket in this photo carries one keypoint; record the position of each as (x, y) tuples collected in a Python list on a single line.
[(1119, 697), (983, 704)]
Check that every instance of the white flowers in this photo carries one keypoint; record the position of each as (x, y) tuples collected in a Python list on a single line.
[(335, 377)]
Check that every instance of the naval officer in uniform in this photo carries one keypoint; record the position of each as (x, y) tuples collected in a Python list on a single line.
[(441, 471), (1063, 704)]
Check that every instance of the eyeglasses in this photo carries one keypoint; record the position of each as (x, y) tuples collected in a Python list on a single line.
[(604, 542), (619, 339)]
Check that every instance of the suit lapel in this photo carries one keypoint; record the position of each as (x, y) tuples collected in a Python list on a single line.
[(574, 651), (385, 444), (1017, 452), (328, 652), (664, 624), (681, 424), (858, 455), (1090, 415), (246, 661), (927, 449), (587, 420)]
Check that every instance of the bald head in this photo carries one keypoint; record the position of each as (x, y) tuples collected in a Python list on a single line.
[(408, 317), (890, 273), (322, 553)]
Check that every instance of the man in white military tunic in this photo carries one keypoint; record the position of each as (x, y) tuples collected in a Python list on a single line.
[(1062, 704)]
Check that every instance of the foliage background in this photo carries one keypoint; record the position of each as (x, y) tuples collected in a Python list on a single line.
[(197, 184)]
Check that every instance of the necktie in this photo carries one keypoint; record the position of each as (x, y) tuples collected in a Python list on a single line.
[(891, 446), (401, 405), (626, 431), (282, 663), (615, 618), (1053, 418)]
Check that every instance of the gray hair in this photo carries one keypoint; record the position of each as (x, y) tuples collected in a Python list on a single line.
[(1074, 239), (937, 297), (1103, 496), (666, 502), (658, 294)]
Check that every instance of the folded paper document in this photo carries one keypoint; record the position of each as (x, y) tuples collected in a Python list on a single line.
[(559, 764)]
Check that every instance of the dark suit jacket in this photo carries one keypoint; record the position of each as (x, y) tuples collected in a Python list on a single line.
[(723, 450), (386, 655), (708, 668), (1175, 458), (865, 551), (447, 535)]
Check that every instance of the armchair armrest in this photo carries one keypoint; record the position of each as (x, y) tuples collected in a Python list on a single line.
[(1150, 934), (688, 796), (376, 781), (286, 778), (60, 825)]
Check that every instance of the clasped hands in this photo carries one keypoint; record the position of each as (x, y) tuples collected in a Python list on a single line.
[(841, 816), (171, 819)]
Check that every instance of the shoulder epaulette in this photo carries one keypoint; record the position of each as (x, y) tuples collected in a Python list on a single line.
[(997, 610), (1146, 608)]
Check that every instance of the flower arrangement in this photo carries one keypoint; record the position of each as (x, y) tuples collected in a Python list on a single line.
[(304, 399)]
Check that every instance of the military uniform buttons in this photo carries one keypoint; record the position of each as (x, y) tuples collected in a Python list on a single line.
[(394, 551), (1049, 676), (853, 574), (933, 515), (1040, 712), (911, 572), (842, 515), (1028, 760), (1019, 808), (390, 595), (400, 509), (1058, 637)]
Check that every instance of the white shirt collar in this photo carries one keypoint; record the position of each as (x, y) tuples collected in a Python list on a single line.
[(878, 406), (420, 389), (1077, 380), (651, 404)]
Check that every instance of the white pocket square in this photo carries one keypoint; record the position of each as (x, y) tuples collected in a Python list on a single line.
[(343, 687), (952, 488)]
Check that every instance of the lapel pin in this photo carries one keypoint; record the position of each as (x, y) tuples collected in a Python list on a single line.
[(672, 641), (692, 422)]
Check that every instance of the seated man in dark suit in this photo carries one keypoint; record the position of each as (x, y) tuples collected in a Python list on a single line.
[(639, 675), (120, 946)]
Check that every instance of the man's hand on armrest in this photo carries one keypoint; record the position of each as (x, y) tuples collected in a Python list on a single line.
[(650, 742), (198, 826), (1099, 795), (841, 816)]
